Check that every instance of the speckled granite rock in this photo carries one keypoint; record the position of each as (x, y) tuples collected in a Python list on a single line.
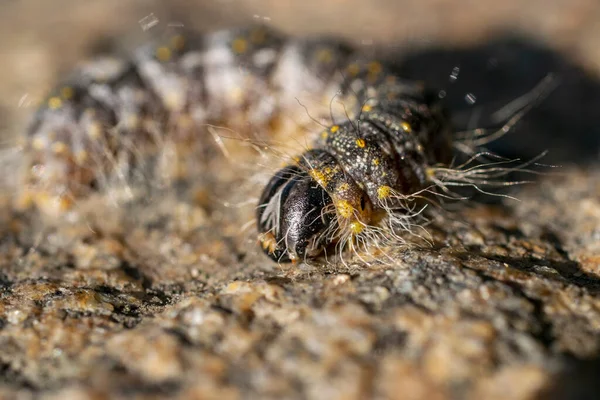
[(504, 304)]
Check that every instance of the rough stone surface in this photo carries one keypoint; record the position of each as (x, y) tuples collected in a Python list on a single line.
[(166, 298), (506, 303)]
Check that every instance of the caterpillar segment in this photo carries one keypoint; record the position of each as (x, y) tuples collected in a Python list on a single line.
[(155, 118)]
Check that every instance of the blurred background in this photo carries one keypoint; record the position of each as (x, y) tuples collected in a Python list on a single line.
[(480, 55)]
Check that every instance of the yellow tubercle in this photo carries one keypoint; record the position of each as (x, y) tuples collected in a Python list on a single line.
[(430, 173), (163, 54), (343, 187), (258, 36), (384, 192), (54, 103), (81, 156), (361, 143), (334, 129), (38, 143), (319, 176), (374, 67), (52, 204), (174, 100), (239, 45), (406, 126), (324, 56), (344, 208), (95, 130), (356, 227), (59, 148), (353, 69)]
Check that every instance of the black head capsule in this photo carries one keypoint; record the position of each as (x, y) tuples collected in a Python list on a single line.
[(291, 217)]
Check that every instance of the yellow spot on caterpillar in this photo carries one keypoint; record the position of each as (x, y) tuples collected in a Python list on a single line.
[(353, 69), (334, 129), (239, 45), (81, 156), (430, 173), (52, 204), (59, 148), (163, 54), (356, 227), (173, 100), (383, 192), (343, 187), (344, 208), (178, 42), (406, 126), (38, 143), (94, 130), (236, 94), (361, 143), (367, 108), (319, 177), (258, 36), (54, 103), (374, 68), (376, 161), (324, 56), (324, 134), (67, 92)]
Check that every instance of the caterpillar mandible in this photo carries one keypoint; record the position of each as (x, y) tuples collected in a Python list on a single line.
[(149, 116)]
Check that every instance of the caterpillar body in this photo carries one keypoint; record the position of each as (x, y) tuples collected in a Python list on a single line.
[(114, 119), (364, 173), (386, 141)]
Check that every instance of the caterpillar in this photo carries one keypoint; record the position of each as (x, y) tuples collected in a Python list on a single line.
[(116, 119), (358, 173), (149, 117)]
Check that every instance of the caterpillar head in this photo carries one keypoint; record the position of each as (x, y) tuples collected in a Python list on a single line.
[(293, 217)]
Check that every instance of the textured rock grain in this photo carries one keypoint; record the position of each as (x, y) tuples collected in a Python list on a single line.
[(506, 301)]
